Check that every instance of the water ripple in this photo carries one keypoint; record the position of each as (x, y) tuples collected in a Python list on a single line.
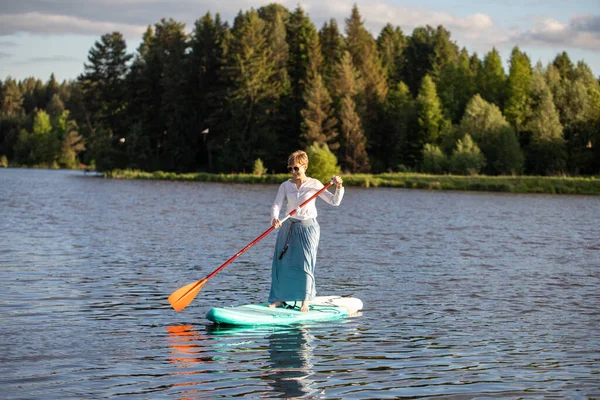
[(467, 295)]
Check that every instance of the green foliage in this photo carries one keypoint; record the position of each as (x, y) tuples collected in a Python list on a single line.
[(492, 81), (432, 123), (44, 142), (254, 93), (363, 49), (516, 107), (12, 98), (434, 160), (56, 106), (259, 168), (3, 161), (390, 43), (503, 153), (218, 98), (514, 184), (456, 86), (354, 145), (207, 91), (71, 142), (322, 163), (305, 58), (494, 136), (23, 149), (546, 152), (398, 123), (104, 92), (427, 51), (467, 158), (332, 49), (319, 124)]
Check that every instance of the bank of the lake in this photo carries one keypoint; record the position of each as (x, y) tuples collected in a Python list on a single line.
[(510, 184)]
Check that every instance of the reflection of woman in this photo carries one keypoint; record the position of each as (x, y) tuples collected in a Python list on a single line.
[(292, 271), (290, 353)]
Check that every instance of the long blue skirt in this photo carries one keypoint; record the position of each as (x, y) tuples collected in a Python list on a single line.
[(293, 274)]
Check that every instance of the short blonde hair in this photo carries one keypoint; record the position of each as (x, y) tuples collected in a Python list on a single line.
[(299, 157)]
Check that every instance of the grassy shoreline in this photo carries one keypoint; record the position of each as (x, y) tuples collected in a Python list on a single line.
[(507, 184)]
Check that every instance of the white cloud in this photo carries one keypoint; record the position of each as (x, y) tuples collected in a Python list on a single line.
[(35, 22), (477, 31), (581, 32)]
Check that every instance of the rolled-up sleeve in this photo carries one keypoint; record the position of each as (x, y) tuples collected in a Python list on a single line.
[(335, 199)]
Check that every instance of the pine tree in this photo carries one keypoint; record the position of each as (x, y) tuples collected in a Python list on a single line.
[(332, 49), (355, 142), (546, 152), (445, 51), (102, 81), (391, 43), (427, 51), (55, 106), (12, 98), (432, 123), (144, 94), (207, 88), (276, 34), (104, 94), (516, 107), (253, 84), (493, 79), (52, 88), (565, 67), (456, 86), (300, 33), (363, 49), (399, 128), (347, 80), (319, 124), (346, 85)]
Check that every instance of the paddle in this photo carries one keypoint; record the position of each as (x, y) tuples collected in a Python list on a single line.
[(183, 296)]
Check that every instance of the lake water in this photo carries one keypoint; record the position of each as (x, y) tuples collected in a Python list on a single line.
[(467, 295)]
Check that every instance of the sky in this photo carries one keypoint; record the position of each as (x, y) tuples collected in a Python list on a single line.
[(41, 37)]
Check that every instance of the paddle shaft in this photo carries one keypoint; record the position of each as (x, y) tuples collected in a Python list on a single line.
[(265, 233)]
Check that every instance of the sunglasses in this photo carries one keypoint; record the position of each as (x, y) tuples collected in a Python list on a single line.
[(294, 169)]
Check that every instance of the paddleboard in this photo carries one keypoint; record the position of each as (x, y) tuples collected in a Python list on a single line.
[(323, 308)]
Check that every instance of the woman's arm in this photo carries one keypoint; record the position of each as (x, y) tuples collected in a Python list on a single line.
[(277, 204), (333, 198)]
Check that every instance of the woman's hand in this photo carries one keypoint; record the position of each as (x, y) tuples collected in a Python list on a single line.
[(276, 223), (338, 181)]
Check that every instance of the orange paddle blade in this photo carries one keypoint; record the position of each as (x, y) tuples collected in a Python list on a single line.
[(184, 296)]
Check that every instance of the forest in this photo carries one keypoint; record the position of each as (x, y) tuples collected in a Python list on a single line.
[(217, 98)]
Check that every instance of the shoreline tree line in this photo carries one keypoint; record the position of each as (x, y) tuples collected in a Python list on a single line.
[(220, 97)]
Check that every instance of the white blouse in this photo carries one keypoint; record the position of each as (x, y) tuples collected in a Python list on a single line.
[(294, 196)]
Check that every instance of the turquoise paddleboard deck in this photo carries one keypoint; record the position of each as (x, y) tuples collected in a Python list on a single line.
[(324, 308)]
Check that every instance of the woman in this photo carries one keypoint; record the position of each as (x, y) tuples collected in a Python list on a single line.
[(292, 275)]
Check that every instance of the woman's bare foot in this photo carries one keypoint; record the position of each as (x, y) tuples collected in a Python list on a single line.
[(275, 304), (304, 307)]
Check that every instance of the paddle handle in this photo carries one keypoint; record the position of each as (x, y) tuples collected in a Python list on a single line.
[(265, 233)]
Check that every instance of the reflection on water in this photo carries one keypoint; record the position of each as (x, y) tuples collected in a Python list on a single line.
[(287, 362), (290, 357), (186, 355), (467, 295)]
